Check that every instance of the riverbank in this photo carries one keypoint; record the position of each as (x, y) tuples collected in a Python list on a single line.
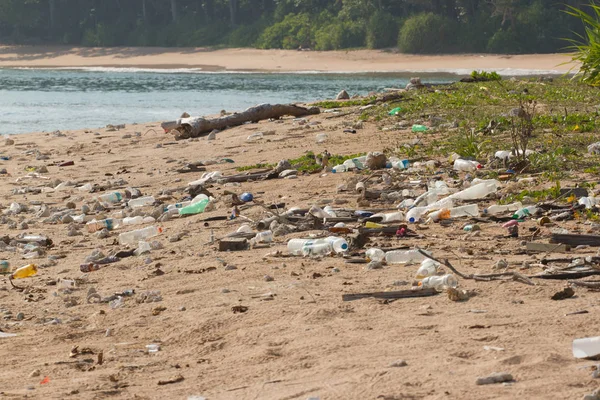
[(274, 60)]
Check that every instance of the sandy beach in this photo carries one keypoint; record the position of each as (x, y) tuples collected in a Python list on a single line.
[(297, 339), (273, 60)]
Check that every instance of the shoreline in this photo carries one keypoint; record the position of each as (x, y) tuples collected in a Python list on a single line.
[(277, 61)]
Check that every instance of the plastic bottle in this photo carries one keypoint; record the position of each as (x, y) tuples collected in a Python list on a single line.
[(404, 256), (24, 272), (400, 164), (113, 197), (470, 210), (389, 217), (349, 164), (309, 247), (141, 202), (586, 347), (29, 238), (428, 268), (254, 137), (263, 237), (139, 234), (589, 202), (338, 244), (319, 212), (109, 223), (439, 282), (525, 212), (419, 128), (329, 210), (414, 214), (194, 208), (466, 165), (375, 254), (176, 206), (476, 192), (499, 209), (503, 154), (339, 168), (4, 267)]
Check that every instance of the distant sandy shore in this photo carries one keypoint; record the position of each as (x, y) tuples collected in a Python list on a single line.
[(274, 60)]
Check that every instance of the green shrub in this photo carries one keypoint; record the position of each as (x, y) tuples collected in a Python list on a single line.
[(427, 33), (504, 41), (586, 49), (340, 35), (294, 31), (382, 31), (246, 35)]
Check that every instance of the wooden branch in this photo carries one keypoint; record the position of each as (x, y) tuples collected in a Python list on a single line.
[(400, 294), (196, 126), (485, 278), (589, 285)]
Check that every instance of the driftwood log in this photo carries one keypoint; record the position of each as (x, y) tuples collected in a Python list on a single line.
[(196, 126)]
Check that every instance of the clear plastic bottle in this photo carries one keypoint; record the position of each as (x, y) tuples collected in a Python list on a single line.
[(375, 254), (316, 249), (113, 197), (525, 212), (499, 209), (469, 210), (428, 268), (439, 282), (133, 237), (141, 202), (589, 202), (176, 206), (24, 272), (419, 128), (404, 256), (263, 237), (30, 238), (339, 168), (586, 347), (319, 212), (109, 223), (414, 214), (466, 165)]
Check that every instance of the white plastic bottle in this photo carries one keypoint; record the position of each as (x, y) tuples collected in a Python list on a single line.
[(588, 202), (404, 256), (306, 247), (499, 209), (466, 165), (428, 268), (389, 217), (469, 210), (141, 202), (475, 192), (338, 244), (133, 237), (439, 282), (319, 212), (329, 210), (316, 249), (586, 347), (375, 254)]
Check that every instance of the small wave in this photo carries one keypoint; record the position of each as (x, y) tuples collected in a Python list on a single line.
[(448, 71)]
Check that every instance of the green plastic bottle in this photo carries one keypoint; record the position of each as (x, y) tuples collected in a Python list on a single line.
[(194, 208), (419, 128), (395, 111)]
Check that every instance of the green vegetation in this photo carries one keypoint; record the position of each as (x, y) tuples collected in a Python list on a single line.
[(587, 46), (556, 119), (307, 162), (346, 103), (535, 195), (484, 76), (425, 26)]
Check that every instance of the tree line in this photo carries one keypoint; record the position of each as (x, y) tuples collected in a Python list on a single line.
[(413, 26)]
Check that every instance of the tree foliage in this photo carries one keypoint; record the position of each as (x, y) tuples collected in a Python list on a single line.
[(419, 26)]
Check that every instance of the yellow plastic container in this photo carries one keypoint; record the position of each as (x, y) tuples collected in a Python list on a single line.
[(24, 272), (370, 224)]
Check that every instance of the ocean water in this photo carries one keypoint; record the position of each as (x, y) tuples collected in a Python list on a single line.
[(33, 100)]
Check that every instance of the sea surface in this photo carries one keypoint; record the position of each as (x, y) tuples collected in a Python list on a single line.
[(34, 100)]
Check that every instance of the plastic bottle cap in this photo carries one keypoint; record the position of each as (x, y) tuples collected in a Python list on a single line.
[(344, 246), (411, 220), (160, 229)]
